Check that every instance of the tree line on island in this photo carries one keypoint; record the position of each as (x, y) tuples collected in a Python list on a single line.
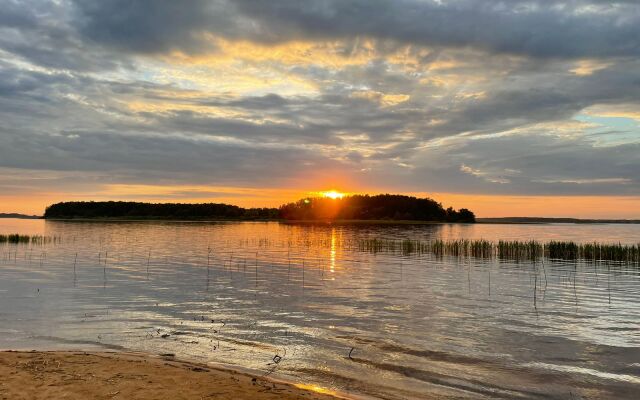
[(379, 207), (357, 207)]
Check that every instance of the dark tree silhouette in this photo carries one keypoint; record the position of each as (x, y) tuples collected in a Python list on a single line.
[(129, 209), (379, 207), (358, 207)]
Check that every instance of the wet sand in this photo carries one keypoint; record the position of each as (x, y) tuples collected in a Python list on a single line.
[(114, 375)]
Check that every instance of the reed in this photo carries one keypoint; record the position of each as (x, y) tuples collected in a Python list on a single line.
[(16, 238), (505, 249)]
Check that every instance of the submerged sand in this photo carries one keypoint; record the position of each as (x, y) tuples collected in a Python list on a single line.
[(111, 375)]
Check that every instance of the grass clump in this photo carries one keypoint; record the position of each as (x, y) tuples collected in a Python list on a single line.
[(16, 238), (506, 249)]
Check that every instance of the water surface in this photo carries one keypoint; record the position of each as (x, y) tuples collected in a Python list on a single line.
[(302, 302)]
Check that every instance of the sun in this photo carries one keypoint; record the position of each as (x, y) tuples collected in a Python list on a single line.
[(332, 194)]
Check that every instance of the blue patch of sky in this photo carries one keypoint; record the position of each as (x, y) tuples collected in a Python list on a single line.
[(611, 131)]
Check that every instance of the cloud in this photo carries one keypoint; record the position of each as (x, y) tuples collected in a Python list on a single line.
[(622, 181), (151, 26), (521, 98), (43, 33), (489, 177), (536, 28), (533, 164), (567, 29)]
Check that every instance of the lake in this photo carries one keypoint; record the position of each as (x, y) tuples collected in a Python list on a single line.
[(303, 303)]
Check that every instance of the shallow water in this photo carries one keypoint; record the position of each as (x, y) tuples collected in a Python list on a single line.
[(384, 325)]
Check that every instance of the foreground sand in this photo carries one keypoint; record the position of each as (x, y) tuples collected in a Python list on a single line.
[(102, 375)]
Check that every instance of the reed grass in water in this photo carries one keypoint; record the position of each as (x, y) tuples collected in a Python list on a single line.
[(505, 249), (16, 238)]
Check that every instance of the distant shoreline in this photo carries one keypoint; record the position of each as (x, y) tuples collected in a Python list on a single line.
[(543, 220), (156, 219), (20, 216), (486, 221), (284, 221), (496, 220)]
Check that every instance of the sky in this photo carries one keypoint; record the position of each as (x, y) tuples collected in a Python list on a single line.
[(509, 108)]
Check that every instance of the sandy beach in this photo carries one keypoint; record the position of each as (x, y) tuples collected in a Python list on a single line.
[(114, 375)]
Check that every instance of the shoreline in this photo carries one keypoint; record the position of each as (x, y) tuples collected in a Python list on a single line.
[(281, 221), (480, 221), (78, 374)]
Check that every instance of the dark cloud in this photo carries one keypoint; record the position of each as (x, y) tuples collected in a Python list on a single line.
[(539, 28), (540, 98), (152, 26), (552, 166), (135, 158), (44, 33), (532, 164), (536, 28)]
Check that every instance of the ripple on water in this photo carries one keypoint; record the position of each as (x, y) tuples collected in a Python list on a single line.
[(387, 325)]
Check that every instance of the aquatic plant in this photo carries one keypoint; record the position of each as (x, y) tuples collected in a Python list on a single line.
[(16, 238), (505, 249)]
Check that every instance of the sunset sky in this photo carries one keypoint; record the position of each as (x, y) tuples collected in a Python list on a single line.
[(509, 108)]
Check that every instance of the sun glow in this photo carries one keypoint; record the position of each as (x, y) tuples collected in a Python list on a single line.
[(333, 194)]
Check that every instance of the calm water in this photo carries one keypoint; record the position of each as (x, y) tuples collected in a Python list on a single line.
[(384, 325)]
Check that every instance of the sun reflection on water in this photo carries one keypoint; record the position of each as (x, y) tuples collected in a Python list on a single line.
[(332, 265)]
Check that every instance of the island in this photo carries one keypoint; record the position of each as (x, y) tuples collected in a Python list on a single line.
[(382, 207), (18, 216)]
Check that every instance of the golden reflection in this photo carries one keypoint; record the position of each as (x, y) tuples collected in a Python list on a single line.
[(332, 265), (316, 389)]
